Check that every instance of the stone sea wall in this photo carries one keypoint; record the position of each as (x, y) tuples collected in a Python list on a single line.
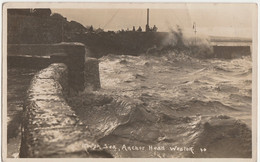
[(50, 127), (82, 70), (230, 52), (91, 74)]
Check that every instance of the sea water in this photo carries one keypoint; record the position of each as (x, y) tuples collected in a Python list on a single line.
[(171, 105)]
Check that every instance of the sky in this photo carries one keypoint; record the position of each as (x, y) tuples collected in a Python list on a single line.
[(234, 20)]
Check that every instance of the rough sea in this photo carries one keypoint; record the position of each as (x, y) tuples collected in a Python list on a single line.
[(170, 106)]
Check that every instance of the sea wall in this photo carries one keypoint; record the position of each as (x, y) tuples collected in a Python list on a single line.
[(31, 49), (73, 55), (50, 127), (91, 74), (232, 51), (81, 68), (136, 43), (122, 43)]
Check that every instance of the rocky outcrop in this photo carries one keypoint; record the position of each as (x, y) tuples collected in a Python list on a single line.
[(50, 127)]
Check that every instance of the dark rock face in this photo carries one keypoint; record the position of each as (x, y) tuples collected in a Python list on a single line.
[(50, 128)]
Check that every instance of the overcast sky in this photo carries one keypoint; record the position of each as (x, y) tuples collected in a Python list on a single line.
[(233, 20)]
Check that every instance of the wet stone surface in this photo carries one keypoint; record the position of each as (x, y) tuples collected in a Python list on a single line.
[(50, 126)]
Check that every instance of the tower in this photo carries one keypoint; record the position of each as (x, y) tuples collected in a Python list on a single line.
[(147, 28)]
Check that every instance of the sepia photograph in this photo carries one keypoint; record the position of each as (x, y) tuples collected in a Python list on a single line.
[(129, 80)]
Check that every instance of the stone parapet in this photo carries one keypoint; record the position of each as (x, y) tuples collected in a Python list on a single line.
[(50, 127), (82, 70)]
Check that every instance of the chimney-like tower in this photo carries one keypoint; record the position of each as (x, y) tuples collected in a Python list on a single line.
[(148, 16), (147, 28)]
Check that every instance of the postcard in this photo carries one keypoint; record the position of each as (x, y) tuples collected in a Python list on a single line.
[(128, 81)]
